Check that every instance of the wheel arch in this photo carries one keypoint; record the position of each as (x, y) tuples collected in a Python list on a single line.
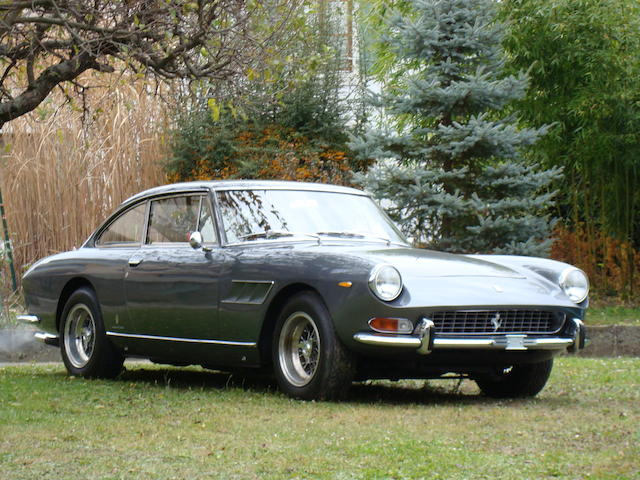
[(271, 316), (71, 286)]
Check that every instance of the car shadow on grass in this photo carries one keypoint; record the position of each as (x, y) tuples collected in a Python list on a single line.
[(194, 377), (435, 392)]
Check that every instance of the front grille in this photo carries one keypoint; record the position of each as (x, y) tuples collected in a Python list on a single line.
[(497, 321)]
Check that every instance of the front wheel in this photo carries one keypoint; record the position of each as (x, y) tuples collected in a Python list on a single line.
[(309, 360), (86, 350), (518, 381)]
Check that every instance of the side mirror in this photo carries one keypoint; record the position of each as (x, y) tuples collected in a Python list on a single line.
[(195, 240)]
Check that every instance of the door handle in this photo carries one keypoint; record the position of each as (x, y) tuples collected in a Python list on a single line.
[(135, 261)]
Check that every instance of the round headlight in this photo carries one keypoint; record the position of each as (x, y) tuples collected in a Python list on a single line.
[(385, 281), (575, 284)]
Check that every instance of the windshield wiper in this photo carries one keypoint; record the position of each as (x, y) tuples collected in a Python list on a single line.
[(341, 234), (354, 235), (271, 234)]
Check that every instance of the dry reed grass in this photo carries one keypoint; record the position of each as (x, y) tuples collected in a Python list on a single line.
[(62, 173)]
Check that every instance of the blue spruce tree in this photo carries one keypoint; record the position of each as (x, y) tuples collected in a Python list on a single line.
[(450, 166)]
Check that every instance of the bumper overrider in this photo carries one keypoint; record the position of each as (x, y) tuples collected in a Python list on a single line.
[(424, 339)]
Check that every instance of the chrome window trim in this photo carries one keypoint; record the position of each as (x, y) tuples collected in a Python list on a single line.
[(227, 188), (166, 197), (183, 340), (149, 246), (222, 233), (214, 220), (105, 226), (134, 201)]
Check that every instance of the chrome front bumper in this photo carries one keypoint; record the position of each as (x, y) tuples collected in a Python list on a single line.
[(424, 340)]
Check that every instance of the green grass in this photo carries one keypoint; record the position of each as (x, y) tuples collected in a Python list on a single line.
[(613, 315), (160, 423)]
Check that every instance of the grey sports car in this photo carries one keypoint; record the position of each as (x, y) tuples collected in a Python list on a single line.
[(312, 281)]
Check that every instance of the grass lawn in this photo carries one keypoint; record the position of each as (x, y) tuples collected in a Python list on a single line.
[(613, 315), (159, 423)]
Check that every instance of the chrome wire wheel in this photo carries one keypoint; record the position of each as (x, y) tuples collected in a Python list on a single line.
[(79, 335), (299, 349)]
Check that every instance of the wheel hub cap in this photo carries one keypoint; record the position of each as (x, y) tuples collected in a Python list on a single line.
[(299, 349), (79, 335)]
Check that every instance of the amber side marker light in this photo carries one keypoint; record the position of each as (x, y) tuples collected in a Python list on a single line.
[(391, 325), (345, 284)]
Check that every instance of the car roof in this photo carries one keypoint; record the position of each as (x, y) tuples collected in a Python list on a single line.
[(217, 185)]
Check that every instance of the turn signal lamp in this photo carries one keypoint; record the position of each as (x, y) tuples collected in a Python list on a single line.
[(391, 325)]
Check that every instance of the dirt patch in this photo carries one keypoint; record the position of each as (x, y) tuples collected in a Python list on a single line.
[(613, 341)]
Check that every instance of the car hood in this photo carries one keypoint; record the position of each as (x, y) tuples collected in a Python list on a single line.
[(428, 263), (442, 279)]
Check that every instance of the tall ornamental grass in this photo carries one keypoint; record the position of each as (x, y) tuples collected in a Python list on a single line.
[(64, 169)]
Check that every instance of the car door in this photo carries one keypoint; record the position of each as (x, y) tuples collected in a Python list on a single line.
[(118, 241), (171, 288)]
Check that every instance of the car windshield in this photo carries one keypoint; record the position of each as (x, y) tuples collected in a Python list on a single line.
[(250, 215)]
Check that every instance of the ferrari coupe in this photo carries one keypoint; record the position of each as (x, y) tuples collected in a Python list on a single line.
[(311, 282)]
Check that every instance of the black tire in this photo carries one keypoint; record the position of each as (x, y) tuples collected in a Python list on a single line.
[(519, 381), (309, 360), (86, 350)]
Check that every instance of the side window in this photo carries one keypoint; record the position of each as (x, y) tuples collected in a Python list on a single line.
[(126, 229), (205, 225), (171, 220)]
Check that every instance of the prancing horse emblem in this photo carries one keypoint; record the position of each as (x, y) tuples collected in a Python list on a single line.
[(496, 322)]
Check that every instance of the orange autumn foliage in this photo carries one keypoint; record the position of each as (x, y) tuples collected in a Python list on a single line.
[(274, 153), (613, 265)]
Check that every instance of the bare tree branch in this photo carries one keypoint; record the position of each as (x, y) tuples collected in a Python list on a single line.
[(47, 42), (43, 85)]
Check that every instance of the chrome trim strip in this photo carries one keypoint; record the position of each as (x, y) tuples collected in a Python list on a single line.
[(388, 341), (254, 281), (464, 342), (185, 340), (29, 319)]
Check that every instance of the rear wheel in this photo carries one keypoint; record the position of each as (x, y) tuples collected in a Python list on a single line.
[(525, 380), (86, 350), (309, 360)]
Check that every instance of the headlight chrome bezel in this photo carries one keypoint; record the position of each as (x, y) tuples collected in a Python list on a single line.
[(374, 282), (566, 286)]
